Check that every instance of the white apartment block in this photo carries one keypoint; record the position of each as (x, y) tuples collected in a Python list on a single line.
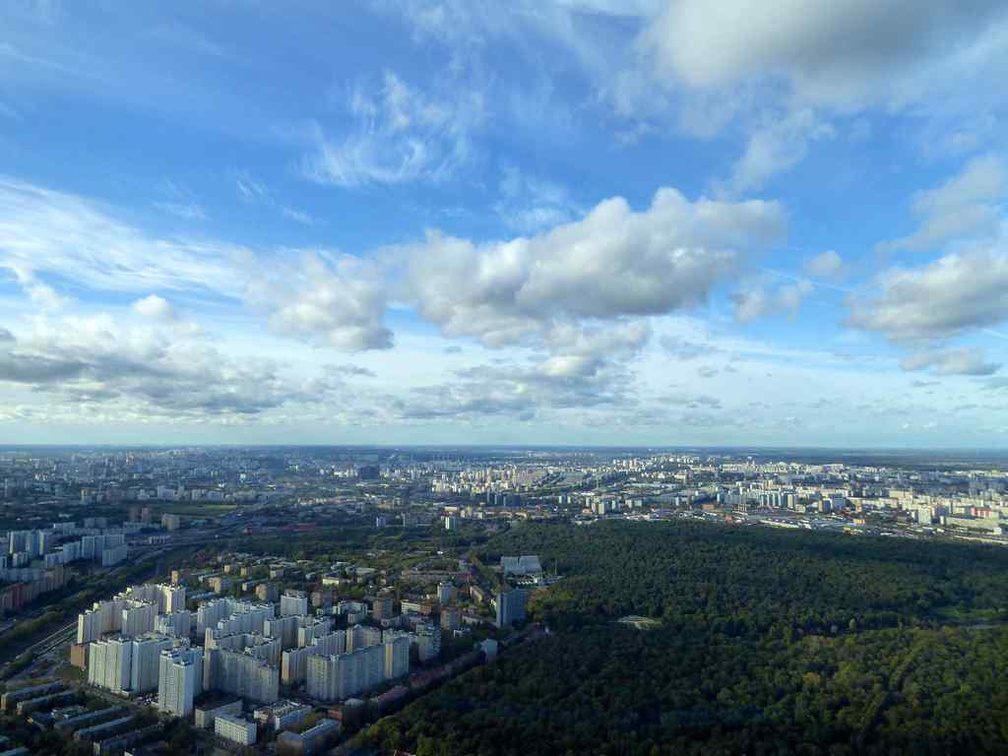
[(180, 680), (241, 674), (126, 665), (236, 729), (138, 618), (294, 663), (341, 676), (176, 624), (293, 603)]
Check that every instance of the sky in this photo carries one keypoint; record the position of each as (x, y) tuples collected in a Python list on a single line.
[(587, 222)]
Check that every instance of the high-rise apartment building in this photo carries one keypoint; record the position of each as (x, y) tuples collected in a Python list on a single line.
[(180, 680), (293, 603)]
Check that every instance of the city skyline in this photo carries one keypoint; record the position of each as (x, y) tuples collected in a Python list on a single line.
[(573, 223)]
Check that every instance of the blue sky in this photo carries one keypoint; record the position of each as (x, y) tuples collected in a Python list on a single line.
[(658, 222)]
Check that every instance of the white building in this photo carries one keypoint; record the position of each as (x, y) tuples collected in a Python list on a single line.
[(397, 648), (361, 636), (138, 618), (176, 624), (102, 618), (428, 640), (109, 663), (293, 603), (173, 599), (338, 677), (236, 729), (241, 674), (180, 679), (294, 664), (145, 662)]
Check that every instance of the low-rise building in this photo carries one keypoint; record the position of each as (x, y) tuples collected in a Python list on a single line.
[(235, 728)]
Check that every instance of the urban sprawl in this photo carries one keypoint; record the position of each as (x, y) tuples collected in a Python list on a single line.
[(147, 590)]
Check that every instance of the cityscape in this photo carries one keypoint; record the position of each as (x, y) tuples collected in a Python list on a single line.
[(287, 598), (524, 378)]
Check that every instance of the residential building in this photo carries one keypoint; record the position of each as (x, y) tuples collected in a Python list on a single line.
[(180, 680), (235, 729)]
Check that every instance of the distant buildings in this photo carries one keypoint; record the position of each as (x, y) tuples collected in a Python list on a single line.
[(523, 565), (446, 593), (241, 674), (309, 742), (428, 642), (360, 669), (510, 606), (381, 607), (293, 603)]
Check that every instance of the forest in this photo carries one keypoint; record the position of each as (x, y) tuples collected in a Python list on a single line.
[(768, 642)]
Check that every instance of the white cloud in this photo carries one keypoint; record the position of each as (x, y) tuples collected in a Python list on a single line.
[(776, 146), (844, 54), (154, 308), (826, 264), (614, 262), (250, 190), (528, 203), (336, 300), (296, 214), (966, 205), (757, 300), (42, 295), (962, 361), (586, 368), (340, 302), (44, 231), (398, 135), (82, 363), (953, 295)]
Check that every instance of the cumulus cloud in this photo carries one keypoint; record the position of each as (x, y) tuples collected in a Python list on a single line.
[(955, 294), (840, 53), (96, 360), (967, 205), (577, 368), (826, 264), (400, 135), (335, 300), (751, 304), (756, 300), (614, 262), (962, 361), (154, 307)]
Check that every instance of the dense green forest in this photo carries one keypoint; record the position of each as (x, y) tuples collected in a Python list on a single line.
[(769, 642)]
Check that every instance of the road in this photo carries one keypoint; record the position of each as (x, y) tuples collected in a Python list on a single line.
[(54, 640)]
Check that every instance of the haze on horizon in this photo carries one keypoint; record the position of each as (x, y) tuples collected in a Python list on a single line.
[(666, 223)]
